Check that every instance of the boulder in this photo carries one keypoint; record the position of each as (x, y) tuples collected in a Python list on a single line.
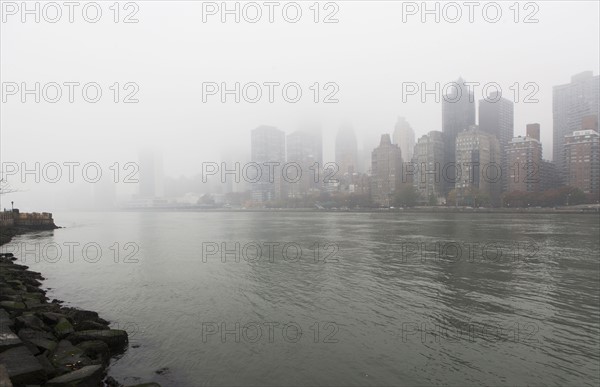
[(66, 357), (116, 339), (23, 368), (89, 325), (12, 306), (4, 379), (42, 340), (8, 339), (78, 316), (63, 328), (29, 321), (51, 317), (88, 376), (48, 367), (96, 350)]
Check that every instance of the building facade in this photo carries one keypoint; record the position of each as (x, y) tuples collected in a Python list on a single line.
[(267, 146), (346, 151), (404, 137), (524, 156), (386, 171), (497, 117), (478, 171), (582, 159), (572, 102), (458, 114), (428, 161)]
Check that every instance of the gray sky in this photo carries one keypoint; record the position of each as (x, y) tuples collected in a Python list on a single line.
[(369, 53)]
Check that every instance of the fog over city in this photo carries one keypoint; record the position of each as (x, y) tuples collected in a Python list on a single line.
[(370, 55), (299, 193)]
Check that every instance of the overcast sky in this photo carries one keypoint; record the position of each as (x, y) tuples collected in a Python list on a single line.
[(369, 53)]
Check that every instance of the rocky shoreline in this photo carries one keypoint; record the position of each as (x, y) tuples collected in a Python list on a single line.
[(44, 343)]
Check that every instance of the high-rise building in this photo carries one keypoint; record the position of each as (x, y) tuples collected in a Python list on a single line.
[(428, 161), (458, 114), (478, 165), (582, 160), (533, 131), (549, 176), (404, 137), (497, 117), (305, 147), (268, 146), (151, 175), (346, 151), (524, 156), (572, 102), (386, 171)]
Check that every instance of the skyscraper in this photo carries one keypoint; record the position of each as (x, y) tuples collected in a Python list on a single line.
[(151, 175), (582, 160), (533, 131), (428, 162), (524, 156), (478, 156), (570, 103), (346, 151), (305, 147), (267, 146), (386, 171), (404, 137), (496, 117), (458, 114)]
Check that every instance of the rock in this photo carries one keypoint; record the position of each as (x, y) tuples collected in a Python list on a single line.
[(89, 325), (7, 291), (116, 339), (41, 339), (146, 385), (63, 328), (162, 371), (66, 357), (48, 367), (12, 297), (112, 382), (96, 350), (29, 321), (12, 305), (88, 376), (22, 366), (8, 339), (4, 379), (79, 316), (5, 320), (51, 317)]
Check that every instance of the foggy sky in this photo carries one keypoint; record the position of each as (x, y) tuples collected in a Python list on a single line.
[(369, 54)]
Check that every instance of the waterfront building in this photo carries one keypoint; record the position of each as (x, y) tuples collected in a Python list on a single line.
[(386, 171)]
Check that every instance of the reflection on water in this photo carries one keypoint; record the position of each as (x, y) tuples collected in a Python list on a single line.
[(336, 299)]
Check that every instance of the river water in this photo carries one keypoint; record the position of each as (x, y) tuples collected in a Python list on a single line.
[(334, 299)]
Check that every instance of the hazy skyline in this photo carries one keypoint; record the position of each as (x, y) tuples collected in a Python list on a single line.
[(369, 53)]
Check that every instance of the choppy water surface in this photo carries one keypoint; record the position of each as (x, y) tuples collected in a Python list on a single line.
[(372, 299)]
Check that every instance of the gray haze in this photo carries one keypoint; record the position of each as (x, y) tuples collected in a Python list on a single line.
[(170, 52)]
